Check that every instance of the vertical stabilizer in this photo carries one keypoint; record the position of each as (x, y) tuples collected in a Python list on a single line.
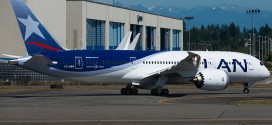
[(37, 39)]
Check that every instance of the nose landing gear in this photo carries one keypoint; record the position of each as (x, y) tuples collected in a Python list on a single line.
[(246, 90)]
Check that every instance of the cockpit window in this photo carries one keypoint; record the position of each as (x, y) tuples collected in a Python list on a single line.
[(261, 63)]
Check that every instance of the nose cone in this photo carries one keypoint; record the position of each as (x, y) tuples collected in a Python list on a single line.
[(264, 73)]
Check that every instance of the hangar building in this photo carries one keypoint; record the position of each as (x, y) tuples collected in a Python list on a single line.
[(86, 24)]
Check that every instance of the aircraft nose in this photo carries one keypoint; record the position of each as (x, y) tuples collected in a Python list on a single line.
[(264, 73)]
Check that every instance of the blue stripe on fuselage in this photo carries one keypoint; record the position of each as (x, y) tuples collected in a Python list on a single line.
[(85, 60)]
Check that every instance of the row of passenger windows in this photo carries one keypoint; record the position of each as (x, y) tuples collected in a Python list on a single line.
[(144, 62), (230, 63), (125, 62), (160, 62)]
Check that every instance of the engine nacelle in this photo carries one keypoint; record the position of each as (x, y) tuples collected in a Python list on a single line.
[(211, 80)]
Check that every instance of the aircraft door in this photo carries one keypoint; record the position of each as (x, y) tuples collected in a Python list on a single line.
[(133, 62), (250, 64), (78, 62)]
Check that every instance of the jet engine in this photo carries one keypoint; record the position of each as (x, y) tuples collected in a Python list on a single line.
[(211, 80)]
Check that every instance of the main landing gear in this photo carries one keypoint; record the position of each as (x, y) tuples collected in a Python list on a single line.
[(129, 90), (158, 89), (246, 90), (163, 92)]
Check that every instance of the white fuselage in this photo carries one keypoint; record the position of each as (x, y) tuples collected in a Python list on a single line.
[(239, 67)]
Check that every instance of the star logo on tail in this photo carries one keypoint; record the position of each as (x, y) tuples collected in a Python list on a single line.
[(31, 27)]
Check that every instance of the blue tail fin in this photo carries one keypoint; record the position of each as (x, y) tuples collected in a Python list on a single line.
[(37, 39)]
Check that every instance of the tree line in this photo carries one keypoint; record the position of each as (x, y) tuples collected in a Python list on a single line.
[(226, 37)]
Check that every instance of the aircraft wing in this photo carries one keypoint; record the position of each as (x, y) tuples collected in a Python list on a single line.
[(124, 45), (11, 56), (6, 58), (133, 45), (186, 68)]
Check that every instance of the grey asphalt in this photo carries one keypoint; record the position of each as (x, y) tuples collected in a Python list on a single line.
[(107, 106)]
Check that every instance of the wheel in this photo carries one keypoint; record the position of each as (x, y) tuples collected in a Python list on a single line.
[(135, 91), (246, 90), (123, 91), (153, 91), (165, 92), (129, 91)]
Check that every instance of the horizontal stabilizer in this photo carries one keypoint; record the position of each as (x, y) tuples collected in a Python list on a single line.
[(39, 59)]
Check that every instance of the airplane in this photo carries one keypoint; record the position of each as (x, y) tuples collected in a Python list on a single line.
[(150, 70), (125, 43)]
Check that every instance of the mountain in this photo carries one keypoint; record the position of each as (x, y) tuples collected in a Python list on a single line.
[(219, 14)]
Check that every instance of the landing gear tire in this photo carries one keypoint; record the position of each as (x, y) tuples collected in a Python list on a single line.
[(163, 92), (154, 92), (123, 91), (246, 90), (129, 91), (135, 91)]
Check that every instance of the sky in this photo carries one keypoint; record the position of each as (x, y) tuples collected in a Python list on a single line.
[(264, 5)]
